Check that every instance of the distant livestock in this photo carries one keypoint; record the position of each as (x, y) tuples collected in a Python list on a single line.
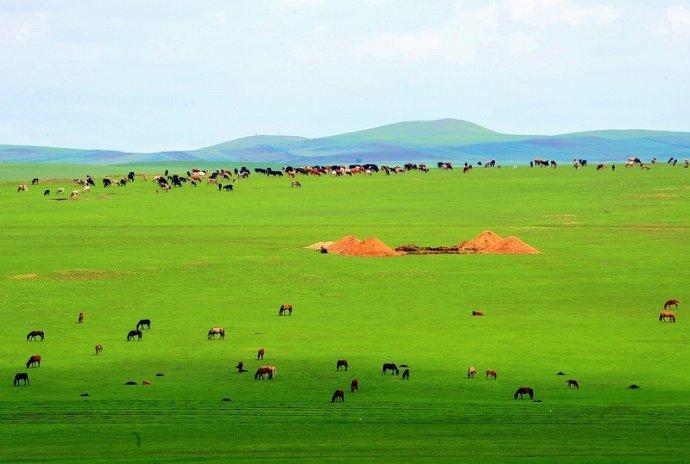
[(572, 383), (34, 361), (406, 374), (34, 334), (477, 313), (46, 192), (144, 324), (672, 302), (216, 331), (354, 385), (285, 308), (99, 349), (23, 188), (132, 334), (390, 367), (75, 194), (269, 371), (667, 316), (338, 396), (260, 353), (491, 374), (341, 363), (524, 391), (471, 372), (22, 377)]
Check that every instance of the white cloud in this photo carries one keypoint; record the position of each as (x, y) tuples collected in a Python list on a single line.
[(568, 12), (675, 22), (21, 28), (295, 4)]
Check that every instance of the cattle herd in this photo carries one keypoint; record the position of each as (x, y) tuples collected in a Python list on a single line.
[(269, 372)]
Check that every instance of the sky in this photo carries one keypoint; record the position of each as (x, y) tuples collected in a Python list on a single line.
[(165, 75)]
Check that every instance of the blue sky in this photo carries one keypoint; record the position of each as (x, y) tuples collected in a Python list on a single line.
[(163, 75)]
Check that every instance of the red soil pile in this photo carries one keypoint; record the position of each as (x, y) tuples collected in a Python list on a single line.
[(481, 242), (511, 246), (344, 244), (371, 246)]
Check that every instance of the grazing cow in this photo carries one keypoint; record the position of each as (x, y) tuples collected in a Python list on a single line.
[(270, 371), (601, 167), (664, 315), (524, 391), (34, 361), (21, 377), (295, 183), (471, 372), (99, 349), (240, 368), (672, 302), (227, 188), (144, 324), (466, 169), (216, 331), (406, 374), (23, 188), (46, 192), (354, 385), (36, 334), (60, 190), (477, 313), (285, 307), (134, 334), (107, 182), (86, 189), (341, 363), (541, 163), (339, 395), (34, 181), (554, 164), (130, 176), (491, 374), (75, 194), (573, 384), (260, 353), (390, 367)]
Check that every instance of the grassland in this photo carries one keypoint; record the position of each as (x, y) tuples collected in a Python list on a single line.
[(614, 246)]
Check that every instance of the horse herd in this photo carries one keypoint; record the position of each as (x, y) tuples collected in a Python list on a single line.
[(270, 371)]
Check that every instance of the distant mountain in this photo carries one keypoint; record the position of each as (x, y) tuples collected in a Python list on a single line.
[(443, 139)]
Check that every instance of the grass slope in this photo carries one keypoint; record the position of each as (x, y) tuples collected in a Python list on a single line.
[(614, 247)]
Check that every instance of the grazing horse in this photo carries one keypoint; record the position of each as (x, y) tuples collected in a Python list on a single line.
[(341, 363), (295, 183), (80, 319), (390, 367), (664, 315), (339, 395), (99, 348), (260, 354), (477, 313), (573, 384), (471, 372), (524, 391), (216, 331), (673, 302), (285, 307), (406, 374), (144, 324), (21, 377), (270, 371), (134, 334), (46, 192), (601, 167), (34, 361), (491, 374), (36, 334), (354, 385), (240, 368)]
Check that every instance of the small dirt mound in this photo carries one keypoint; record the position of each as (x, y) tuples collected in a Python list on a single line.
[(372, 246), (511, 246), (345, 244), (481, 242), (318, 245)]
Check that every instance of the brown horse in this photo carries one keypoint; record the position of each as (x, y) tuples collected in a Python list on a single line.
[(240, 368), (341, 363), (573, 384), (477, 313), (80, 319), (34, 361), (471, 372), (524, 391), (260, 354), (216, 331), (34, 334), (270, 371), (672, 302), (285, 308), (491, 374), (99, 349), (354, 385), (664, 315), (339, 395)]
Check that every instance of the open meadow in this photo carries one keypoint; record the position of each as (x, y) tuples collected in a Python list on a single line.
[(614, 247)]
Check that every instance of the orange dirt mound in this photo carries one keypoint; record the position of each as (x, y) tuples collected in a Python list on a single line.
[(511, 246), (481, 242), (372, 246), (344, 244)]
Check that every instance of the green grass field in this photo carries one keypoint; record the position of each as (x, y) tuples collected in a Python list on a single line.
[(615, 246)]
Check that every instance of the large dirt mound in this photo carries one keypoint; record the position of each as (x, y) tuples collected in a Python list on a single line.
[(343, 245), (481, 242), (371, 246), (511, 246)]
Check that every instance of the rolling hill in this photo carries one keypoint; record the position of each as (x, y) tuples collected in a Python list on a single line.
[(443, 139)]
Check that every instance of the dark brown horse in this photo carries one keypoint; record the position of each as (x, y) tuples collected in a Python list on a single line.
[(99, 348), (339, 395), (341, 363), (573, 384), (144, 324), (390, 367), (132, 334), (524, 391), (34, 334), (491, 374), (240, 368), (354, 385), (34, 361), (260, 354), (477, 313), (80, 319), (285, 308), (672, 302), (667, 316), (21, 377)]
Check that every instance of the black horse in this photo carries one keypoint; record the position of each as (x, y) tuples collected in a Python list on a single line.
[(144, 324), (34, 334), (134, 334), (341, 363), (524, 391), (390, 367), (21, 377)]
